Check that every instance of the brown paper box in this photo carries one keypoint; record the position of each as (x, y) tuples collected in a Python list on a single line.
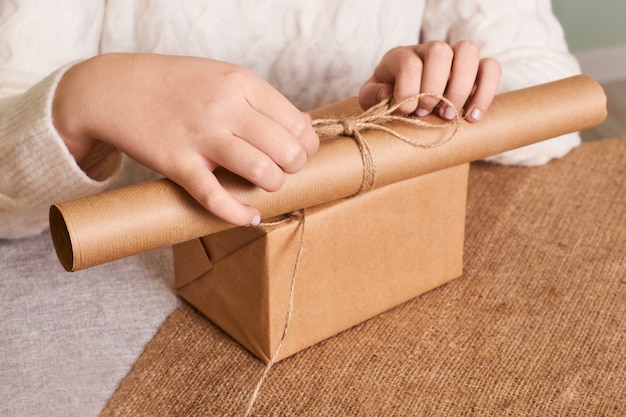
[(361, 256)]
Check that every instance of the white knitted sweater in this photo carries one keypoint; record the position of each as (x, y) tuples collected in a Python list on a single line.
[(314, 52), (67, 340)]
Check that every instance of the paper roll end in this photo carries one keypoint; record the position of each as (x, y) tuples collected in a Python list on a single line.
[(61, 239)]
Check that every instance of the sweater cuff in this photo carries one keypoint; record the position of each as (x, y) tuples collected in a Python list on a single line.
[(45, 153), (40, 169)]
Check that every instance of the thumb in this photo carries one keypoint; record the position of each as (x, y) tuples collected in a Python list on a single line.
[(372, 93)]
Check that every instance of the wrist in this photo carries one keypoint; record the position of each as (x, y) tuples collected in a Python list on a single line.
[(70, 115)]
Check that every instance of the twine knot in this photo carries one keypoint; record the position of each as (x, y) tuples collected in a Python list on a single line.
[(348, 130), (376, 118)]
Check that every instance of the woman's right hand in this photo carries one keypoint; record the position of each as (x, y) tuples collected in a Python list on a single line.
[(183, 117)]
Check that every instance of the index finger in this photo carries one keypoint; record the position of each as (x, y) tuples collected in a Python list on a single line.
[(266, 100)]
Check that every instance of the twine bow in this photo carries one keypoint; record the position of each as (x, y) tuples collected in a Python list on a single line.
[(376, 118)]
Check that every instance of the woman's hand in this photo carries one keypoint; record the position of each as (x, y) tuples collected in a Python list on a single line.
[(183, 117), (456, 72)]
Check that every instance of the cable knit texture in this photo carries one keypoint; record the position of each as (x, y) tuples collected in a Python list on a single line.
[(528, 41), (313, 52), (39, 156)]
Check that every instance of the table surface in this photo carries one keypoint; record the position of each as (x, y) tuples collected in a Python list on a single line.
[(536, 325)]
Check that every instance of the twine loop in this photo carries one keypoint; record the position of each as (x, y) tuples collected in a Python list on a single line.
[(377, 118)]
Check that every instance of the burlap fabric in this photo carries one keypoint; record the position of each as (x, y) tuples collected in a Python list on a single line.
[(536, 326)]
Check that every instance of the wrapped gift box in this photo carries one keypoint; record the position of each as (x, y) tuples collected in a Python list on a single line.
[(361, 254), (360, 257)]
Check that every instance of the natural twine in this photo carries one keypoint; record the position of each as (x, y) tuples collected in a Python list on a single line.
[(374, 118), (300, 216)]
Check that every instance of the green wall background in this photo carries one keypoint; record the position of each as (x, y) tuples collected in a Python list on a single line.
[(592, 24)]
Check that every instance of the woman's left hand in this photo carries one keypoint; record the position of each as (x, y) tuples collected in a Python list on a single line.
[(456, 72)]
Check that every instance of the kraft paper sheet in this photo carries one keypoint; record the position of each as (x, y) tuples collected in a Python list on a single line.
[(127, 221)]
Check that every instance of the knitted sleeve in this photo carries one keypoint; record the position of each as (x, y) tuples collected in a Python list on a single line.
[(36, 168), (528, 41)]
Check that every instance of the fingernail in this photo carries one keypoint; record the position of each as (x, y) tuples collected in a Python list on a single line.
[(256, 220), (421, 112), (476, 114), (449, 114)]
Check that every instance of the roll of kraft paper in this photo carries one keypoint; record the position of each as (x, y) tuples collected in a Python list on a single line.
[(127, 221)]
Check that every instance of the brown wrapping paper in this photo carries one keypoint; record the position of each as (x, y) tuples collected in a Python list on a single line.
[(360, 256), (131, 220)]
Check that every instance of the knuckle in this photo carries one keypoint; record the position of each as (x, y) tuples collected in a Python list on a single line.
[(219, 202), (467, 47), (293, 159), (211, 109), (306, 138), (395, 51), (492, 65), (313, 144), (299, 126), (408, 61), (214, 199), (411, 65), (438, 50), (236, 74), (258, 169)]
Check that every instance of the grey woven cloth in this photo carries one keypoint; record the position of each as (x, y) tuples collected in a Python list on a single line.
[(67, 339)]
